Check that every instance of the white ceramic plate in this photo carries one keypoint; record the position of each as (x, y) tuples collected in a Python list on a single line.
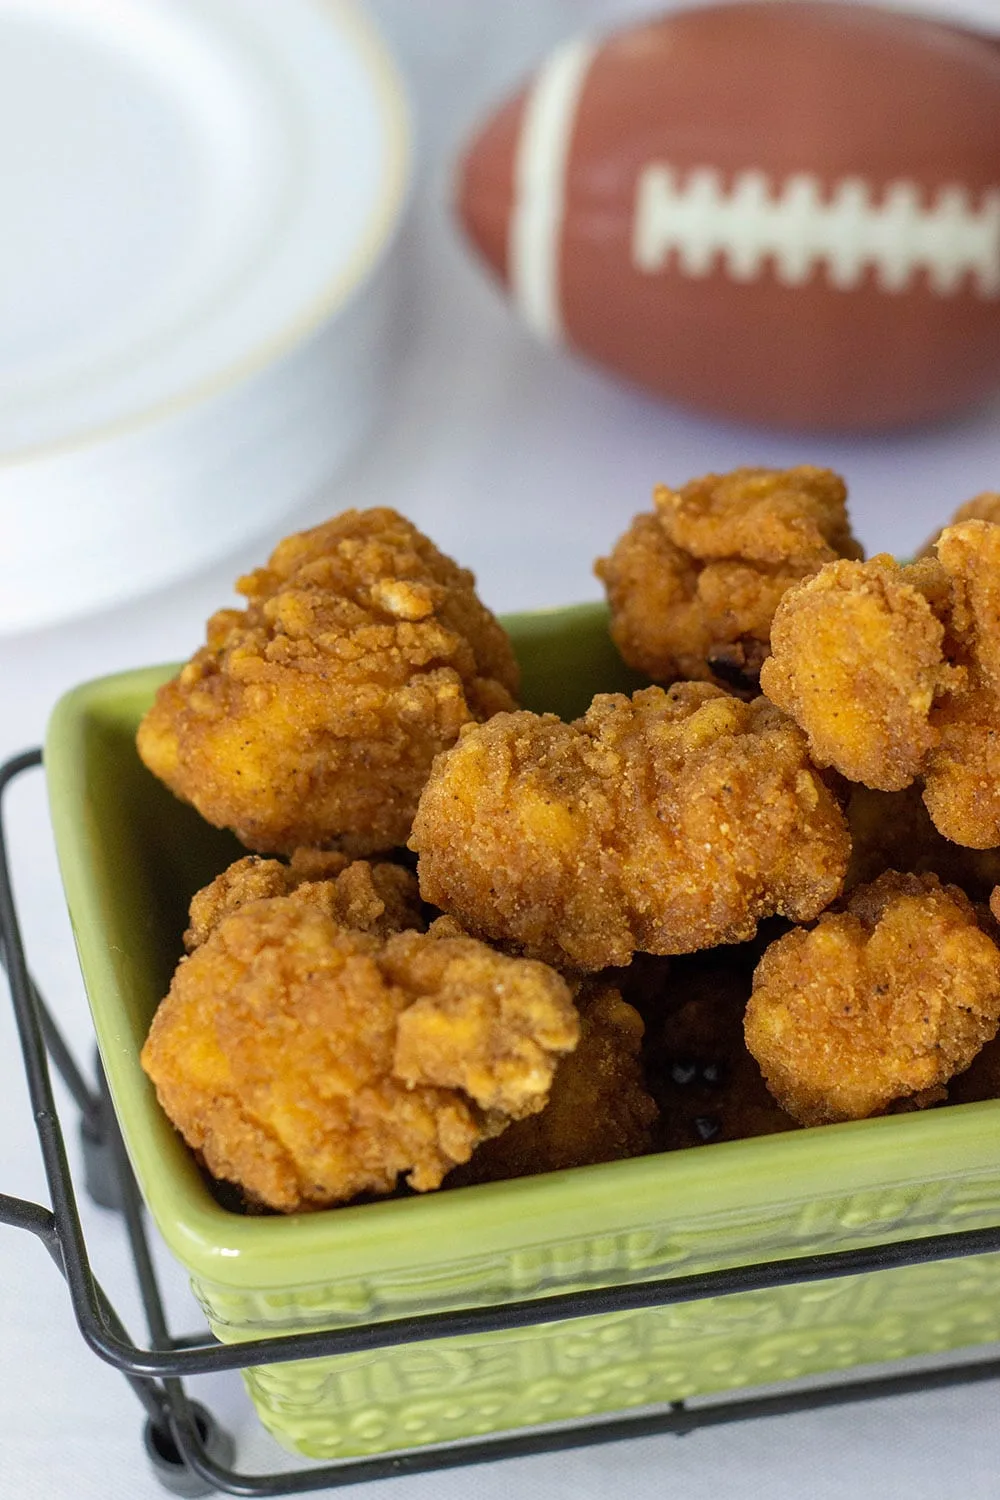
[(193, 192)]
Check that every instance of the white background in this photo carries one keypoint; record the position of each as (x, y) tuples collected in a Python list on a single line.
[(525, 466)]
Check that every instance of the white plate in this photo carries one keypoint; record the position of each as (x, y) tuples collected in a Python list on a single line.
[(192, 193)]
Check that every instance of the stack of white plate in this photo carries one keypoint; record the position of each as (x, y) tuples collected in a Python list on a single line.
[(197, 198)]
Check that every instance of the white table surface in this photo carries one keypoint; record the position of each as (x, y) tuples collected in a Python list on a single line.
[(525, 466)]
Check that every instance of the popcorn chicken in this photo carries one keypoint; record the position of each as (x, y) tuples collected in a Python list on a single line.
[(894, 673), (310, 1063), (599, 1109), (661, 823), (381, 898), (693, 585), (878, 1003), (311, 718)]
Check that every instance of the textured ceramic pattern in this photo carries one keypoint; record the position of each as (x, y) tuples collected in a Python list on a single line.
[(333, 1408), (131, 857), (356, 1404)]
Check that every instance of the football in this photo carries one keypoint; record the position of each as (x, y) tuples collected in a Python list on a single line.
[(782, 213)]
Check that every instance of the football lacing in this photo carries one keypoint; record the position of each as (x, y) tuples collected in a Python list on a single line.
[(699, 224)]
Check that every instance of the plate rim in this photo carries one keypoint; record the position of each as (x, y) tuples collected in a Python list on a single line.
[(389, 92)]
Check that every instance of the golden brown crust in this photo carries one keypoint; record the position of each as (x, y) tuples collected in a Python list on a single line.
[(662, 823), (658, 620), (962, 775), (969, 556), (856, 661), (598, 1109), (380, 898), (492, 1026), (311, 718), (310, 1063), (774, 516), (894, 673), (693, 585), (878, 1003)]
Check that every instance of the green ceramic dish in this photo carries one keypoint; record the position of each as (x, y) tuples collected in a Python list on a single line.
[(131, 857)]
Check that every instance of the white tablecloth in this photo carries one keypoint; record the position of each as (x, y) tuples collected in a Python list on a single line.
[(525, 466)]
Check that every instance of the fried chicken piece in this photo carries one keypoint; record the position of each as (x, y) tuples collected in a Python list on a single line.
[(857, 661), (380, 898), (490, 1025), (309, 1063), (311, 717), (962, 775), (662, 823), (706, 1083), (878, 1003), (894, 673), (598, 1108), (969, 555), (693, 585)]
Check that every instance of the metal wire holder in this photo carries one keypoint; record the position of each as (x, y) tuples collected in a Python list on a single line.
[(188, 1448)]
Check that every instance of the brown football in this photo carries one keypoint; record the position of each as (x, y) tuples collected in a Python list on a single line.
[(786, 213)]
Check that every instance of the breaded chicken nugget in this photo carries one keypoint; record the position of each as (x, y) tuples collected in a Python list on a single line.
[(309, 1063), (880, 1002), (857, 661), (662, 823), (311, 717), (894, 673), (598, 1109), (693, 585), (962, 774), (969, 556), (381, 898)]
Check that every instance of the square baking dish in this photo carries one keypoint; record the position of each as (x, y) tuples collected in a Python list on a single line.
[(131, 856)]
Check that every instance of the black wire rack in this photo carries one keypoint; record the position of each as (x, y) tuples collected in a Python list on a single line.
[(188, 1448)]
